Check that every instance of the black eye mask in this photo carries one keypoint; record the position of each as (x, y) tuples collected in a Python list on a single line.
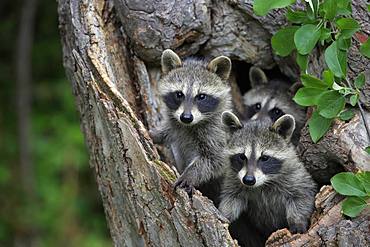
[(275, 113), (269, 165), (206, 103), (173, 100), (237, 161), (252, 109)]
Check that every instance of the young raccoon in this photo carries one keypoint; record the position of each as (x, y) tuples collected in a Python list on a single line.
[(264, 177), (271, 99), (195, 95)]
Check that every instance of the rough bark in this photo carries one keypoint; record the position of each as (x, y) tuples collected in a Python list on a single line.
[(343, 146), (136, 187), (328, 227), (111, 54), (341, 149)]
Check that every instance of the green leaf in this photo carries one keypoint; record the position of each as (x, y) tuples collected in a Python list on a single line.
[(343, 4), (365, 48), (302, 61), (344, 7), (330, 104), (310, 12), (307, 96), (318, 126), (296, 16), (337, 87), (330, 9), (312, 82), (262, 7), (367, 149), (328, 77), (360, 81), (346, 183), (332, 60), (306, 37), (353, 206), (283, 41), (312, 7), (368, 7), (344, 12), (364, 177), (344, 44), (346, 115), (325, 34), (346, 91), (342, 58), (348, 27), (353, 99)]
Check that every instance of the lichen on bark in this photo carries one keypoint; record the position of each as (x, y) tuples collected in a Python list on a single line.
[(111, 53)]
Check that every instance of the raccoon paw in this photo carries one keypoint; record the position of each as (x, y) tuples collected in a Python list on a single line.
[(298, 227), (183, 184)]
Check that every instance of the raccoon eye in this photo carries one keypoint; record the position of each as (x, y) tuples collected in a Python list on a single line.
[(237, 161), (275, 113), (242, 157), (257, 106), (179, 95), (264, 158), (201, 96)]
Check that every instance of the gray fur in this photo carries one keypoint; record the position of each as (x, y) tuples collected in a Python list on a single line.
[(169, 61), (200, 143), (231, 121), (221, 66), (284, 126), (257, 77), (272, 94), (283, 199)]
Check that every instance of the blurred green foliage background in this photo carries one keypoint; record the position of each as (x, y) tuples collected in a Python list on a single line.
[(65, 208)]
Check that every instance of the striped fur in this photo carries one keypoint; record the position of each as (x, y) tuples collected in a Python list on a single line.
[(198, 145), (270, 99), (283, 193)]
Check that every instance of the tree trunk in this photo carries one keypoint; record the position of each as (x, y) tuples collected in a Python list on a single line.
[(111, 54), (25, 237)]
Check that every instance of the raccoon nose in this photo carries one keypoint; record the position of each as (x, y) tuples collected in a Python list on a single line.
[(186, 117), (249, 180)]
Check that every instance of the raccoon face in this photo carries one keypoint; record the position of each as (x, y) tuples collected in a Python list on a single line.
[(257, 153), (254, 165), (193, 91), (264, 106), (269, 99)]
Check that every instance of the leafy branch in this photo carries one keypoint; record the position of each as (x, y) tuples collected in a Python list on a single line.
[(327, 24), (357, 189)]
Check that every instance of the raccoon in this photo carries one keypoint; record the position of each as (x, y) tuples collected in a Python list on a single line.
[(264, 178), (195, 94), (271, 99)]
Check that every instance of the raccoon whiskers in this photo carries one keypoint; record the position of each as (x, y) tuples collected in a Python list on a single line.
[(264, 179), (270, 99), (195, 93)]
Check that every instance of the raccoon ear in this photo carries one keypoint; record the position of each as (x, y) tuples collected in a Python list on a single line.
[(169, 61), (257, 76), (284, 126), (221, 66), (231, 121)]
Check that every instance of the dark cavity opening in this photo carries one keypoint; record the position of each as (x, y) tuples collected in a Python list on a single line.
[(275, 73), (241, 72)]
